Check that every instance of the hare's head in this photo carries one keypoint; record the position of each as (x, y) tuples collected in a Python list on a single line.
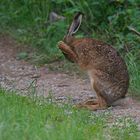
[(73, 28), (65, 45)]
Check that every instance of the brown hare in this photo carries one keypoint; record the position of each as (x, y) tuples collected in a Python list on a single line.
[(105, 67)]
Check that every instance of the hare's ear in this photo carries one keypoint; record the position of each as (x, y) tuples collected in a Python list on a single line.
[(75, 24)]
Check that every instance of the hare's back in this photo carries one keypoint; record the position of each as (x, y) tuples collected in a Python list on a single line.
[(101, 56), (97, 55)]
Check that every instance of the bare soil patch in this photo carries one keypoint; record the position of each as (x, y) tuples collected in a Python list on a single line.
[(25, 78)]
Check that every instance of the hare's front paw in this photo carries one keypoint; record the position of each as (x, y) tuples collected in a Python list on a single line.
[(63, 46), (60, 43)]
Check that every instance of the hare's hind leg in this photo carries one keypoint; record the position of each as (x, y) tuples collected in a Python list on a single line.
[(100, 103)]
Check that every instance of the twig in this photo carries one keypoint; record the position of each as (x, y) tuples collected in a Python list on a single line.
[(134, 30)]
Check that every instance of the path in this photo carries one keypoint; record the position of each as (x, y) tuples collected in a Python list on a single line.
[(24, 77)]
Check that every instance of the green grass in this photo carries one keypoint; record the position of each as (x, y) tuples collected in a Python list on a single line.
[(27, 119), (28, 22)]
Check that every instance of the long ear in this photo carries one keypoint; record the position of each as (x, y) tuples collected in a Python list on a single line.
[(75, 24)]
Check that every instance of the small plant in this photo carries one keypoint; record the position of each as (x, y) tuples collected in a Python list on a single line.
[(22, 55)]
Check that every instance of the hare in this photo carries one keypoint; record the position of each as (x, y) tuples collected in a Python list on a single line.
[(106, 69)]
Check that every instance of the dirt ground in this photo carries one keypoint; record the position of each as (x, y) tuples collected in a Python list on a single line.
[(24, 78)]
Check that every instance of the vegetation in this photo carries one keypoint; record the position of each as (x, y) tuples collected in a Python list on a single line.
[(35, 119), (110, 21)]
